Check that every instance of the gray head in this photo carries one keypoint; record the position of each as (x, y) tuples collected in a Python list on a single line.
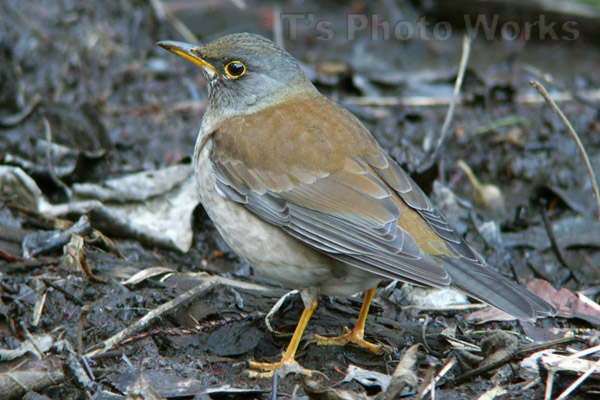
[(245, 72)]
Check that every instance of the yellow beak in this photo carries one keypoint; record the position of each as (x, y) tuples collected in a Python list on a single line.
[(190, 53)]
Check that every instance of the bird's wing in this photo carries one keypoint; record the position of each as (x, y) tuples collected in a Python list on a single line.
[(312, 169)]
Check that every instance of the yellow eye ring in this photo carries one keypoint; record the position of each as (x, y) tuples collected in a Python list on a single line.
[(235, 69)]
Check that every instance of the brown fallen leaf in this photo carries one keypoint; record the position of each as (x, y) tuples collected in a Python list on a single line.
[(404, 378), (315, 391), (567, 303), (488, 314)]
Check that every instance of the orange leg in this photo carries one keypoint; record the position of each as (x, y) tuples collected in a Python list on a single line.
[(287, 362), (356, 335)]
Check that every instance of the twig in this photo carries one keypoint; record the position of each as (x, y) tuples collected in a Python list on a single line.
[(56, 240), (499, 123), (163, 13), (554, 243), (431, 382), (579, 381), (540, 88), (15, 119), (582, 353), (38, 352), (549, 385), (530, 384), (51, 172), (424, 337), (532, 98), (241, 4), (444, 101), (206, 285), (549, 79), (38, 308), (80, 321), (449, 365), (277, 30), (453, 308), (64, 292), (9, 257), (470, 175), (275, 386), (199, 328), (464, 59), (514, 356), (157, 312), (276, 308), (515, 275), (392, 101)]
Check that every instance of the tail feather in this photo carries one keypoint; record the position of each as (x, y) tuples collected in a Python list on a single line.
[(489, 286)]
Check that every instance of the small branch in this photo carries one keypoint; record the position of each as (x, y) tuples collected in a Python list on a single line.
[(277, 29), (207, 284), (549, 79), (276, 308), (579, 381), (51, 171), (13, 120), (464, 59), (514, 356), (540, 88), (431, 386), (138, 325), (549, 385), (554, 243), (592, 96), (241, 4), (164, 13), (393, 101)]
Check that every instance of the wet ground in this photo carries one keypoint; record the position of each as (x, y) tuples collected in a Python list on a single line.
[(86, 96)]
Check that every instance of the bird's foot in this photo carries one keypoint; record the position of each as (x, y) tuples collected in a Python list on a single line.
[(283, 367), (355, 336)]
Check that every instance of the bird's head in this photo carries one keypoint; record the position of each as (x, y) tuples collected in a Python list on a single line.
[(245, 72)]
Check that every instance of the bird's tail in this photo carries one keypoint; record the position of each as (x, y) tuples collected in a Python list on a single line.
[(487, 285)]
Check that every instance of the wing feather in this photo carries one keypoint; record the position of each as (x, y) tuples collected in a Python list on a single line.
[(331, 186)]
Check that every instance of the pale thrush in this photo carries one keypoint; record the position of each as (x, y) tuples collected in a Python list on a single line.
[(300, 189)]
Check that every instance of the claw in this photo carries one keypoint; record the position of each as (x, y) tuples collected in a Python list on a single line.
[(348, 336), (287, 364), (259, 370)]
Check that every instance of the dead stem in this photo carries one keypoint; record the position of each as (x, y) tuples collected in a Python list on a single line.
[(164, 13), (51, 171), (590, 96), (456, 98), (540, 88), (464, 59), (549, 79), (277, 29), (207, 284), (554, 244)]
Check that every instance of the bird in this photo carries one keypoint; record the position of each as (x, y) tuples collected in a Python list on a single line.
[(301, 190)]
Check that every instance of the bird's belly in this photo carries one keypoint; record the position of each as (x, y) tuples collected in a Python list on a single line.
[(271, 251)]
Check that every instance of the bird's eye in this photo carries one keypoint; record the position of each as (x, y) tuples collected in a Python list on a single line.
[(235, 69)]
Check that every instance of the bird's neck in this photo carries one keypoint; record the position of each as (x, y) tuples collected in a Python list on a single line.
[(221, 106)]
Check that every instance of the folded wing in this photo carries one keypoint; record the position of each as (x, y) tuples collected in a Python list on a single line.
[(326, 182)]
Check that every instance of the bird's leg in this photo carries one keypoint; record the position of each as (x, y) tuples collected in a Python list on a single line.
[(287, 363), (355, 336)]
